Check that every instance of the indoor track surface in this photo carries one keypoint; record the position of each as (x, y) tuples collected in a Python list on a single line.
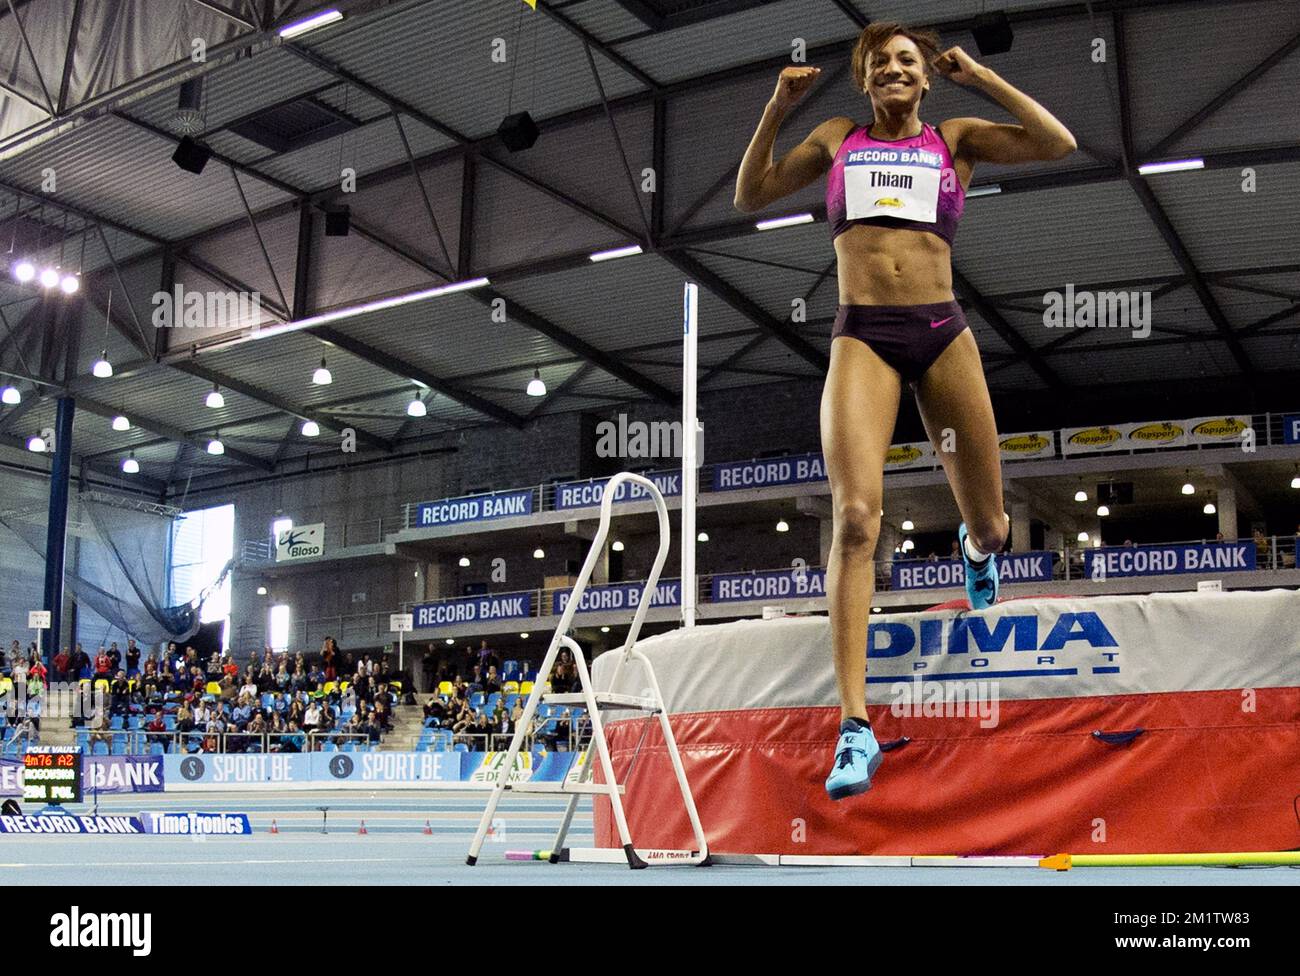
[(396, 851)]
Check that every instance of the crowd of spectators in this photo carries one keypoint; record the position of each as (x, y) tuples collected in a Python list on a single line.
[(483, 711), (177, 699)]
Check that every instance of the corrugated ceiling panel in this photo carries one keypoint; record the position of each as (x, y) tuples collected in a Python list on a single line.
[(1274, 351), (776, 267), (1264, 114), (113, 167), (597, 175), (368, 149), (1163, 98), (1224, 228), (766, 31), (604, 19), (1096, 232), (529, 223), (551, 75), (453, 336), (238, 88)]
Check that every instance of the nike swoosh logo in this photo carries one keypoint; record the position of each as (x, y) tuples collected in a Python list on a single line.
[(935, 325)]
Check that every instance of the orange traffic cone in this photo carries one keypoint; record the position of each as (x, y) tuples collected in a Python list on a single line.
[(274, 827), (428, 831), (362, 829)]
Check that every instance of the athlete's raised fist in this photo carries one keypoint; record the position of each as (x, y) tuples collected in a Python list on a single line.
[(956, 65), (793, 84)]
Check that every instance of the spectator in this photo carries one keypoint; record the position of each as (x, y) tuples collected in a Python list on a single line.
[(311, 718), (132, 657), (61, 662), (156, 728), (1262, 549), (120, 694), (100, 731), (329, 652), (184, 718), (103, 665), (249, 688), (491, 683), (229, 692), (114, 656)]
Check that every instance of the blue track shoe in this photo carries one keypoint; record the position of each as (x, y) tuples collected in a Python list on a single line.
[(857, 757), (981, 580)]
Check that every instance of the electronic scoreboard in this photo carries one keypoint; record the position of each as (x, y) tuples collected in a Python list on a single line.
[(52, 774)]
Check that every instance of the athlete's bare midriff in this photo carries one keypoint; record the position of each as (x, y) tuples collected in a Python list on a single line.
[(894, 265)]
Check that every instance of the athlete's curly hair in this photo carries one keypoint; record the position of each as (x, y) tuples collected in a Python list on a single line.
[(876, 35)]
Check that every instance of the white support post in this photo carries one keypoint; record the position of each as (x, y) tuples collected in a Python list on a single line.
[(690, 463)]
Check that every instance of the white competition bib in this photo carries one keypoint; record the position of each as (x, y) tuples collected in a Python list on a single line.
[(884, 182)]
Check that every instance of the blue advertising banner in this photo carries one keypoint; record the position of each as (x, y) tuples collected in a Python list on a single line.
[(1194, 557), (584, 494), (473, 508), (99, 774), (619, 596), (779, 584), (502, 606), (67, 824), (794, 470), (1291, 428), (353, 768), (195, 823), (1013, 567)]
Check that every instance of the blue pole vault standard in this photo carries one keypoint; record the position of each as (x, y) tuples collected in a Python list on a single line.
[(56, 532)]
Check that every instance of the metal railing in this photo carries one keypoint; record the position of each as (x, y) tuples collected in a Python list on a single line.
[(139, 741)]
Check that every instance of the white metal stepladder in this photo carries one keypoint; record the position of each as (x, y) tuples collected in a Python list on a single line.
[(594, 701)]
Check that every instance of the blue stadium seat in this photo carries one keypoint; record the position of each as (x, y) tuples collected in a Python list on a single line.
[(509, 670), (83, 741), (329, 747), (157, 749), (115, 723), (100, 749), (460, 747), (169, 723), (476, 700)]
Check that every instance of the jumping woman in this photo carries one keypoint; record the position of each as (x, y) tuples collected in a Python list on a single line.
[(895, 190)]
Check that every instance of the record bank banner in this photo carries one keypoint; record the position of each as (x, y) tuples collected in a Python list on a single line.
[(619, 596), (765, 472), (99, 774), (1013, 567), (1212, 557), (780, 584), (473, 508), (472, 609), (585, 494)]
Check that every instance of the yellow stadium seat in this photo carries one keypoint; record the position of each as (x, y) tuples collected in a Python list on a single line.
[(212, 688), (526, 688), (101, 684), (6, 685), (343, 687), (330, 687), (510, 688), (445, 688), (395, 685)]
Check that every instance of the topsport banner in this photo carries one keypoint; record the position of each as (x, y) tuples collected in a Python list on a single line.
[(99, 774), (1035, 443), (1013, 567), (1164, 560), (585, 494), (473, 508), (1160, 433), (916, 454)]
